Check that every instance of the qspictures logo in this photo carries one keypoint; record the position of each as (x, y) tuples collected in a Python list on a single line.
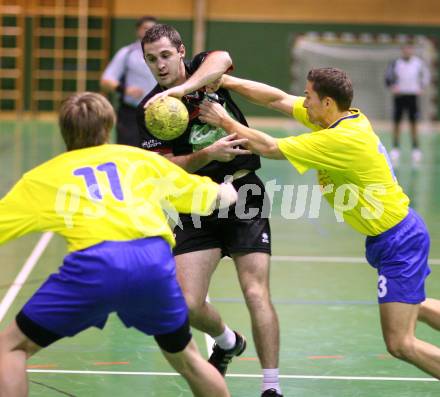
[(140, 197)]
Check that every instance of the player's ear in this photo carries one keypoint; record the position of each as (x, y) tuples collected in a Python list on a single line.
[(328, 101), (182, 51)]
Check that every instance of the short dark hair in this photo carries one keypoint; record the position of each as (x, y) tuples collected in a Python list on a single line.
[(161, 30), (85, 120), (333, 83), (145, 18)]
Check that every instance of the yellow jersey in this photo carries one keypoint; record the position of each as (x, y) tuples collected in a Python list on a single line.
[(354, 170), (103, 193)]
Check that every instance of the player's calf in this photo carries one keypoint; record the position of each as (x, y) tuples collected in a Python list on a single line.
[(181, 352), (202, 378)]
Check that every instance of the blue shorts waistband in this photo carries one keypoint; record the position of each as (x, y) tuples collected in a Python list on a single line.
[(395, 228)]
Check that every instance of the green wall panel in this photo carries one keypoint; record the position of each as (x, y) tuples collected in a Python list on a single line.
[(123, 32), (260, 51)]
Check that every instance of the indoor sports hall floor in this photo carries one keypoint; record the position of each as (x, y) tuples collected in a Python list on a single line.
[(324, 292)]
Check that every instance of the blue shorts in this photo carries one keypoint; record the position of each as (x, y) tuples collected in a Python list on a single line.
[(136, 279), (400, 256)]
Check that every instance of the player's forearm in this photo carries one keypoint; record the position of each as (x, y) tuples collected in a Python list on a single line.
[(253, 91), (214, 66), (192, 162), (109, 85), (258, 142), (260, 94)]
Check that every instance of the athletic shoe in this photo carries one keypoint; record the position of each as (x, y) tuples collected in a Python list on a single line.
[(220, 358), (271, 393)]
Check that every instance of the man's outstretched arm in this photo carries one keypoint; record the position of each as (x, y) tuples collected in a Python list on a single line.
[(260, 94)]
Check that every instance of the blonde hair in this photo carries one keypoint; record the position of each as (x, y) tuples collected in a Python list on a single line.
[(85, 120)]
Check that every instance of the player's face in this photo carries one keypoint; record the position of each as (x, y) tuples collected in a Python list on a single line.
[(407, 52), (165, 62), (316, 108)]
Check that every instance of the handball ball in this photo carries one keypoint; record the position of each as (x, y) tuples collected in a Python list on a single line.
[(166, 118)]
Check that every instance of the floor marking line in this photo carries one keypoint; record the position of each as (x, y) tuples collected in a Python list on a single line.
[(30, 263), (112, 363), (316, 377), (332, 259), (52, 388)]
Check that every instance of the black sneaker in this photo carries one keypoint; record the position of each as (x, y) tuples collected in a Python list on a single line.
[(271, 393), (221, 358)]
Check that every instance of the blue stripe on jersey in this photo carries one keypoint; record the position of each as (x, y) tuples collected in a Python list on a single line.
[(353, 116)]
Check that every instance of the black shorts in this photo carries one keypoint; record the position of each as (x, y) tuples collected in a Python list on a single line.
[(406, 103), (241, 228)]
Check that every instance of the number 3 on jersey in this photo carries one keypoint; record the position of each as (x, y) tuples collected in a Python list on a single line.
[(382, 286)]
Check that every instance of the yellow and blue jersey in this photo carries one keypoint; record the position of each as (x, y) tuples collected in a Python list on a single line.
[(103, 193), (353, 167)]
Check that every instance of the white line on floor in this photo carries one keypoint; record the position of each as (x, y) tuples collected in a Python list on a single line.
[(30, 263), (317, 377)]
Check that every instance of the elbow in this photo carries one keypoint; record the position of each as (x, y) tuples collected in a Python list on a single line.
[(223, 58), (228, 61), (107, 85), (271, 150)]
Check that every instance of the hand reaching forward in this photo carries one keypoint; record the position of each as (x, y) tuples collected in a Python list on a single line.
[(177, 92), (226, 148), (213, 113)]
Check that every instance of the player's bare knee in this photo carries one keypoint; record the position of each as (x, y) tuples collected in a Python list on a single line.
[(195, 304), (256, 297), (400, 348)]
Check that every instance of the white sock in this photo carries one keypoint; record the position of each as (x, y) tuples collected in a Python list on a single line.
[(270, 379), (227, 339)]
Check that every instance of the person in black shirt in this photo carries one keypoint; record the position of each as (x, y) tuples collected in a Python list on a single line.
[(131, 80), (243, 231)]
